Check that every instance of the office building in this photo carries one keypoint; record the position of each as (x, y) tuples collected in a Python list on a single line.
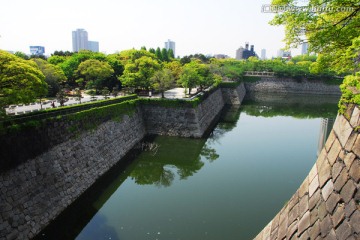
[(37, 50), (263, 54), (93, 46), (170, 45), (80, 41), (245, 53)]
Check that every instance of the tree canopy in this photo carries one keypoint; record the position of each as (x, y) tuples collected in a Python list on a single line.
[(21, 81)]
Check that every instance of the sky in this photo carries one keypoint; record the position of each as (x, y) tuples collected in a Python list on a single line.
[(196, 26)]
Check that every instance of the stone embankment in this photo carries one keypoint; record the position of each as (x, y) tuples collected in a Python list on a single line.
[(38, 190), (326, 206), (285, 85)]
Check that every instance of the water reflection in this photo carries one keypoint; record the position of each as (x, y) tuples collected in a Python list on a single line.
[(183, 160), (325, 129)]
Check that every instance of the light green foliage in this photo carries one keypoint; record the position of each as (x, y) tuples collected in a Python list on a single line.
[(21, 81), (330, 32), (351, 91), (333, 34), (94, 72), (137, 74), (54, 76), (162, 80), (190, 77)]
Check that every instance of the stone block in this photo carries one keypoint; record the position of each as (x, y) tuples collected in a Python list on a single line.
[(313, 216), (356, 147), (325, 226), (332, 202), (343, 129), (324, 173), (336, 169), (313, 173), (304, 188), (293, 214), (314, 185), (327, 190), (341, 180), (355, 171), (351, 141), (314, 231), (349, 159), (355, 221), (334, 152), (303, 205), (314, 200), (304, 223), (348, 191), (343, 231), (338, 215), (355, 118), (330, 140), (292, 229), (350, 208)]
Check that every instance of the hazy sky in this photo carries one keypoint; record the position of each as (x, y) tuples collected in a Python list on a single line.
[(196, 26)]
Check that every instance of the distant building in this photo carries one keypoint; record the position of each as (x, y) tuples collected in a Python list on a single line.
[(263, 54), (37, 50), (304, 48), (93, 46), (80, 41), (221, 56), (284, 54), (170, 45), (245, 53)]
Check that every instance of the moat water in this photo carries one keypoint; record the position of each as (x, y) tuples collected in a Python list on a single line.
[(226, 186)]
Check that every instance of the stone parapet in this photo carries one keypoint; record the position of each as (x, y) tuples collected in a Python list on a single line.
[(326, 206)]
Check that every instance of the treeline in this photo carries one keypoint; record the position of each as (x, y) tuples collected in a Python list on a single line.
[(23, 78)]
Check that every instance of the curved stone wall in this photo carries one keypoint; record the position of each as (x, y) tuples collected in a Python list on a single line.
[(326, 206)]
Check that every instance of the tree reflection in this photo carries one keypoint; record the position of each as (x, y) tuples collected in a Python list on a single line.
[(175, 157)]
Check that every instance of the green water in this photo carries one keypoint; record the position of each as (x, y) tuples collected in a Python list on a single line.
[(228, 186)]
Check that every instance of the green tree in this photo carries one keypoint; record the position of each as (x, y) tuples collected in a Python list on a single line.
[(171, 54), (138, 74), (61, 97), (330, 33), (54, 76), (21, 81), (158, 53), (165, 55), (94, 73), (162, 80), (22, 55), (189, 78)]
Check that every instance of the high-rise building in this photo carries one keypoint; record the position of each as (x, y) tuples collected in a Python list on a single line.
[(245, 53), (304, 48), (37, 50), (283, 54), (79, 40), (170, 45), (263, 54), (93, 46)]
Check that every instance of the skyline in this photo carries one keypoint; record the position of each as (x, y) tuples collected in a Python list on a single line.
[(206, 27)]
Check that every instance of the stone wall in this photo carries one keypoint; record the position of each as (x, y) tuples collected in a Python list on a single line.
[(287, 85), (326, 206), (36, 191), (234, 96)]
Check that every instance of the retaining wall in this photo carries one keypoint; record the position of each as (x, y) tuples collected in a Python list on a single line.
[(326, 206), (38, 190), (288, 85)]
